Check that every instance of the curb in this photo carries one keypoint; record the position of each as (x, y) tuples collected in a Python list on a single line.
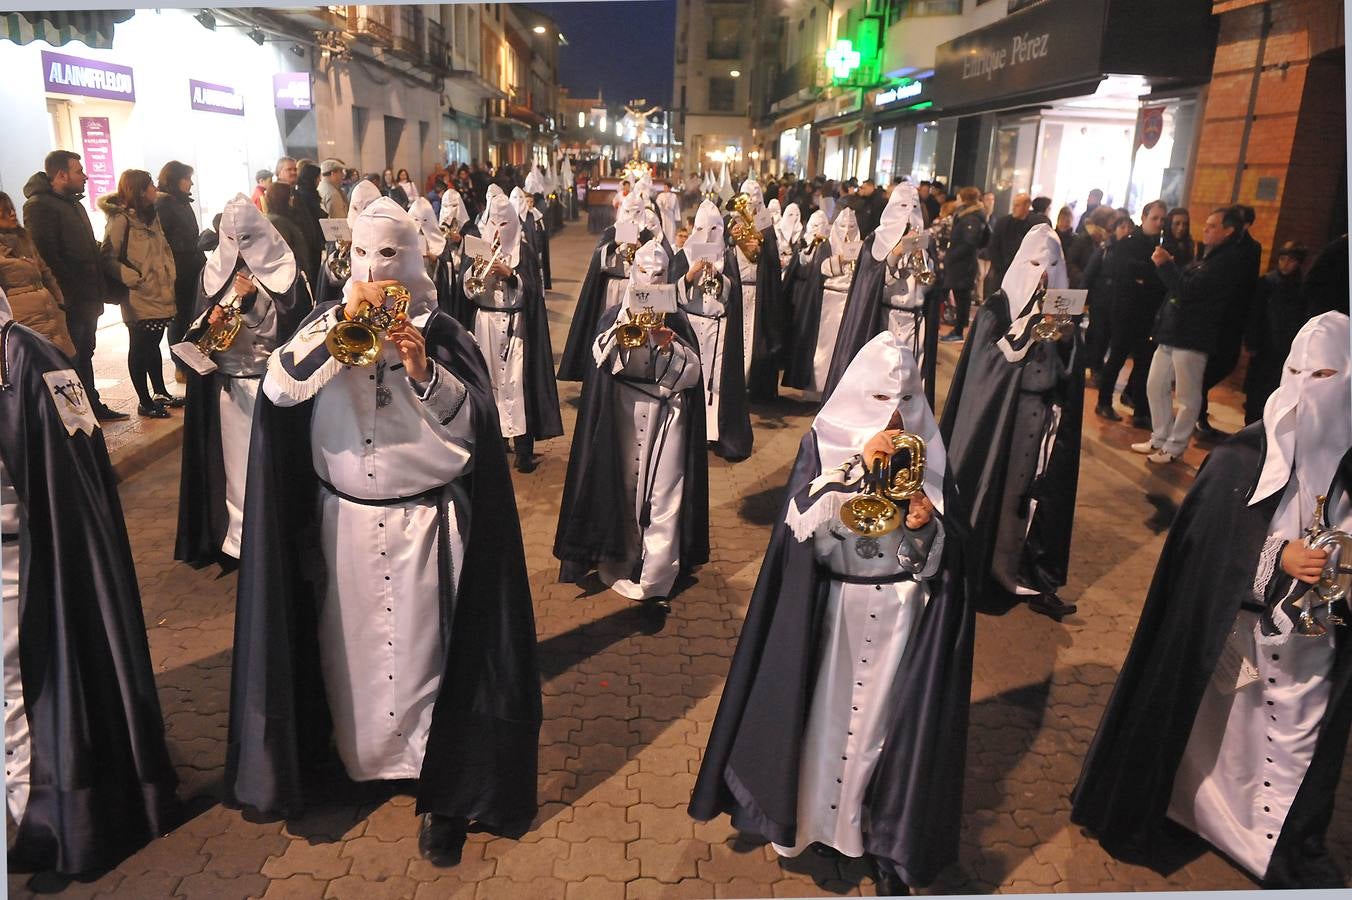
[(140, 455)]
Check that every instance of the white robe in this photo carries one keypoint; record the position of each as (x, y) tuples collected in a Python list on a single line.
[(707, 316), (653, 436), (746, 271), (501, 338), (905, 299), (835, 288), (18, 742), (1250, 748), (374, 437)]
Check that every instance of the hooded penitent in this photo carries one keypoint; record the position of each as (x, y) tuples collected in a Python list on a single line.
[(751, 187), (364, 193), (1039, 257), (797, 694), (1223, 719), (453, 212), (816, 226), (503, 226), (246, 234), (900, 216), (819, 304), (789, 226), (434, 242)]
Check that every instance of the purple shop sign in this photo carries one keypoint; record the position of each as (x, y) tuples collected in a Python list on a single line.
[(87, 77), (291, 90), (96, 139), (215, 98)]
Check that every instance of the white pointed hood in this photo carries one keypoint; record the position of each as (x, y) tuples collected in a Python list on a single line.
[(521, 201), (364, 193), (650, 267), (631, 209), (816, 227), (453, 212), (773, 208), (1307, 420), (421, 211), (843, 230), (902, 212), (751, 187), (566, 174), (387, 246), (535, 182), (1039, 255), (789, 228), (707, 229), (502, 221), (493, 191), (246, 232)]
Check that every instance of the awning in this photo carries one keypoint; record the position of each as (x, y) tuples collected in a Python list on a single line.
[(93, 28)]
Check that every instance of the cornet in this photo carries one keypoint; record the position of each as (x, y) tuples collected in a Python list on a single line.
[(356, 342), (476, 282), (340, 261), (710, 282), (1335, 582), (875, 512), (222, 337), (634, 333), (1053, 328), (627, 252)]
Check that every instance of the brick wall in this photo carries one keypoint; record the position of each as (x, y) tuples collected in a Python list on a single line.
[(1298, 133)]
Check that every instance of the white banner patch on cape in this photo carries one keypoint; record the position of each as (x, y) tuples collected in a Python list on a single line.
[(68, 394)]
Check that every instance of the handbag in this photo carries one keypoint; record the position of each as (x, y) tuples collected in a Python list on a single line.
[(117, 293)]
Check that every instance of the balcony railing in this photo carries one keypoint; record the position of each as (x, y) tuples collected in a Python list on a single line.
[(438, 52), (373, 22), (805, 74), (410, 33)]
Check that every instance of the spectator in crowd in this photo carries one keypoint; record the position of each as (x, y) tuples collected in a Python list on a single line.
[(1233, 319), (1098, 279), (1185, 332), (923, 189), (136, 256), (868, 206), (387, 181), (968, 235), (1278, 313), (331, 198), (34, 295), (287, 171), (173, 207), (1093, 203), (1040, 208), (1178, 236), (929, 196), (280, 199), (988, 201), (1137, 293), (1078, 248), (262, 178), (306, 211), (1006, 236), (1326, 284), (59, 226), (405, 183)]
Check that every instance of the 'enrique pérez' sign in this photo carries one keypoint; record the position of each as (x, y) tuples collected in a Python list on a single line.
[(87, 77)]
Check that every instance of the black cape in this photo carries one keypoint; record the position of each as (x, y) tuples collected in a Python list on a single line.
[(788, 296), (591, 303), (541, 391), (202, 517), (538, 238), (865, 317), (596, 517), (482, 749), (102, 782), (808, 288), (750, 770), (767, 333), (978, 426), (1203, 578), (735, 436)]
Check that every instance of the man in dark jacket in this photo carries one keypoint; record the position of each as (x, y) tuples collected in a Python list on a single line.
[(969, 235), (1137, 293), (1006, 237), (1186, 331), (60, 228), (869, 212), (1233, 318)]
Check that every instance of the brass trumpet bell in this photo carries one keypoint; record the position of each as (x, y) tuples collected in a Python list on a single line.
[(875, 512), (634, 333), (743, 227), (357, 341), (921, 267), (1335, 581), (221, 337)]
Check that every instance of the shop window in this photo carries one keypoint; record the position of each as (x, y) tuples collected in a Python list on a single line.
[(722, 94)]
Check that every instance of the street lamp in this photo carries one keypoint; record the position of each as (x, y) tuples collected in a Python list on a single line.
[(735, 73), (539, 29)]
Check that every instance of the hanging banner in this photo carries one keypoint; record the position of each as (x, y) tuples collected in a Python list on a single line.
[(1150, 123), (87, 77), (96, 140)]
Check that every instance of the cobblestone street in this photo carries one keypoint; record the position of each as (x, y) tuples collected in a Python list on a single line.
[(627, 712)]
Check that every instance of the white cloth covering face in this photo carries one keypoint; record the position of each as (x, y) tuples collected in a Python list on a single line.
[(535, 182), (631, 209), (246, 232), (707, 229), (521, 202), (901, 214), (816, 227), (492, 192), (504, 225), (434, 242), (751, 187), (364, 193), (789, 226), (387, 246), (773, 208), (1039, 255), (453, 211), (844, 229)]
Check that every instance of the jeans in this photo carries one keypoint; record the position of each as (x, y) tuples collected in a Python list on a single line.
[(83, 325), (962, 301), (1183, 368)]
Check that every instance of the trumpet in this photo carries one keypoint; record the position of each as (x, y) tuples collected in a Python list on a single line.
[(921, 267), (634, 333), (1053, 328), (875, 511), (627, 252), (340, 261), (743, 228), (222, 337), (476, 282), (1335, 582), (356, 342)]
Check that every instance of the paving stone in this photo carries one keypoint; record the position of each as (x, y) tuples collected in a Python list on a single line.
[(355, 887), (669, 863), (320, 860), (595, 887), (596, 855), (297, 887), (213, 886), (599, 820)]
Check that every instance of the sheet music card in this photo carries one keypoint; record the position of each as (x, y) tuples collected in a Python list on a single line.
[(700, 252), (335, 229), (1064, 302), (626, 233), (475, 247), (658, 297)]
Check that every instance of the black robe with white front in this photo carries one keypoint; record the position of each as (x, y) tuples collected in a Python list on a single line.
[(809, 288), (82, 716)]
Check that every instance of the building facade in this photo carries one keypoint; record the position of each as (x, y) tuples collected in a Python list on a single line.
[(716, 49)]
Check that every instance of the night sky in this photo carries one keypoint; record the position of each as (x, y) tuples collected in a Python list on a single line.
[(625, 48)]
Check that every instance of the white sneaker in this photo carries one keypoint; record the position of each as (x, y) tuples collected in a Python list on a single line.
[(1144, 447), (1160, 458)]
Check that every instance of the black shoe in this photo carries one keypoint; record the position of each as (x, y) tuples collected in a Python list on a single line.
[(106, 413), (169, 400), (1205, 430), (1050, 605), (527, 463), (886, 881), (1127, 402), (1107, 412), (441, 839), (1141, 422), (153, 411)]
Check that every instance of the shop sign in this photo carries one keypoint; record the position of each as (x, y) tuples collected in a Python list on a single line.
[(1056, 42), (1152, 125), (87, 77), (291, 90), (96, 140), (844, 104), (897, 94), (215, 98)]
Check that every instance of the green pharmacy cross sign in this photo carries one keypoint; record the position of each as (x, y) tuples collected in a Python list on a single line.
[(842, 59)]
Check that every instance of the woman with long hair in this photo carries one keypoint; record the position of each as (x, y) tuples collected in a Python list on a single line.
[(1177, 237), (179, 223), (278, 202), (405, 183), (136, 256)]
